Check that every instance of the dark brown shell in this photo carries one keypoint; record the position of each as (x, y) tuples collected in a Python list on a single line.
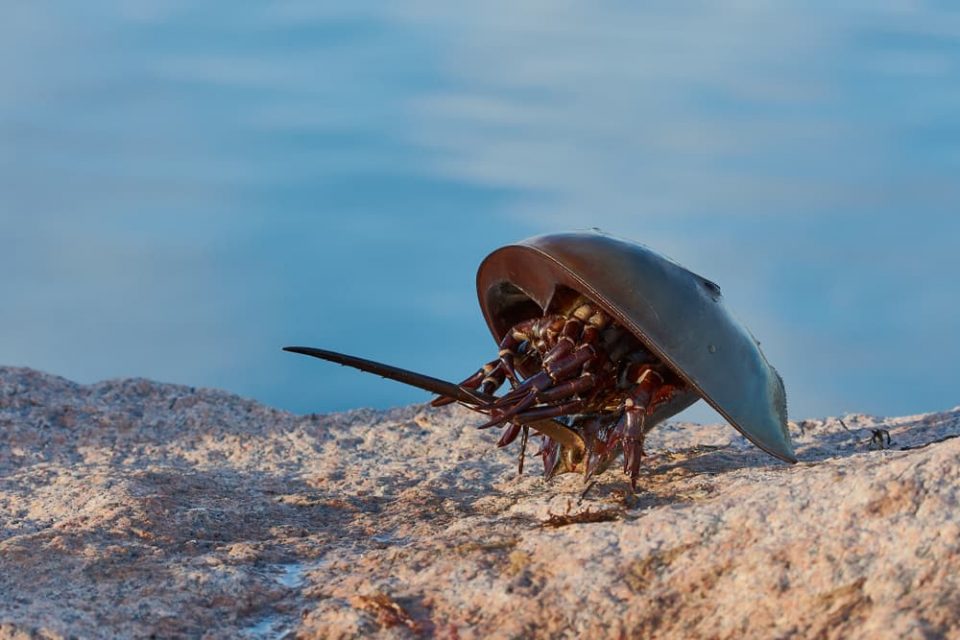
[(677, 314)]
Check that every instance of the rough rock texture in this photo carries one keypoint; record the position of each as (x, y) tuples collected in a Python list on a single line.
[(131, 508)]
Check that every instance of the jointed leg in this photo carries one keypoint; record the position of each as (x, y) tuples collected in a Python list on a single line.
[(630, 428)]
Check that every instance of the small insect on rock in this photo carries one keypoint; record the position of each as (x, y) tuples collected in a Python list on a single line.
[(601, 339)]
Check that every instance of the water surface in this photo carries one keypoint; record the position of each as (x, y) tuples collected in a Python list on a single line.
[(184, 188)]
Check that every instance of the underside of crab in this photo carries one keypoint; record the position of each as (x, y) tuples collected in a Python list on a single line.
[(585, 371), (586, 385)]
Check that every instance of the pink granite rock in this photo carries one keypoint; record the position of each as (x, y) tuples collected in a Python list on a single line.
[(130, 508)]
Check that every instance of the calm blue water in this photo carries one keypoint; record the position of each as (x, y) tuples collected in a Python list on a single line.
[(184, 188)]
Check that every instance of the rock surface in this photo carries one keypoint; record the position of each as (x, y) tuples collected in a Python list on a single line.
[(130, 508)]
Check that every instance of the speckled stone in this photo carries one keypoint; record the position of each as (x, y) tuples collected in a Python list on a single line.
[(130, 508)]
